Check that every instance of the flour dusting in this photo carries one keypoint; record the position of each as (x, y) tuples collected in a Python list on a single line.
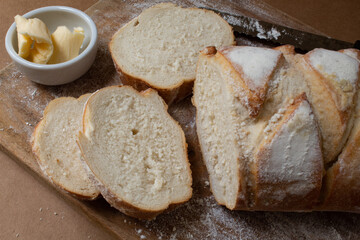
[(254, 26)]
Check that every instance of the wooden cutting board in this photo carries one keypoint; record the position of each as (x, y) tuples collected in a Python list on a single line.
[(22, 103)]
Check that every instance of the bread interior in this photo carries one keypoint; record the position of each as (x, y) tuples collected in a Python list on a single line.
[(135, 149)]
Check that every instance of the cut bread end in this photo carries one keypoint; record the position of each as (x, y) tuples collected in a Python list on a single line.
[(135, 152), (216, 131)]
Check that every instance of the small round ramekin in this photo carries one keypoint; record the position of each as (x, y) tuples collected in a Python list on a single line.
[(61, 73)]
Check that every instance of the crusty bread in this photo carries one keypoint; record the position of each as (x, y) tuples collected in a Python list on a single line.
[(55, 148), (261, 115), (160, 47), (288, 163), (228, 108), (342, 181), (332, 78), (134, 151)]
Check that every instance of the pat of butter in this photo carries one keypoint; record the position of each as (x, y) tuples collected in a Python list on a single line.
[(34, 40), (66, 44)]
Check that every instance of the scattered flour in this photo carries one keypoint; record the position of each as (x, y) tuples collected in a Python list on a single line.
[(254, 25)]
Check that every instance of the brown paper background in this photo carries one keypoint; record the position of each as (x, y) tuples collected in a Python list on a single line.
[(22, 195)]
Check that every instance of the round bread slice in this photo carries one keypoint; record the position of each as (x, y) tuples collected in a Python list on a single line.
[(56, 150), (160, 47), (135, 152)]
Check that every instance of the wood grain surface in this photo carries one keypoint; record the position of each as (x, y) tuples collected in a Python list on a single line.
[(22, 103)]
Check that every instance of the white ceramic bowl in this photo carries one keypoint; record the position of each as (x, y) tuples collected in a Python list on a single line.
[(61, 73)]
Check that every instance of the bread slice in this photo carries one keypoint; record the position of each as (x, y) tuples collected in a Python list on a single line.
[(333, 79), (55, 148), (135, 152), (160, 47), (216, 128), (342, 180)]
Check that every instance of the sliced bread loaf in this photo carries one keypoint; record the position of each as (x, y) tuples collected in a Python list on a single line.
[(54, 145), (160, 47), (238, 94), (271, 124), (135, 152)]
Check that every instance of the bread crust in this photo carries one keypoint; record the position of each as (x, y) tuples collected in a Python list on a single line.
[(341, 184), (339, 189), (251, 97), (170, 94), (291, 202), (36, 151), (113, 199), (334, 122)]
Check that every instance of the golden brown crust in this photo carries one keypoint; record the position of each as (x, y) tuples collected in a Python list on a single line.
[(241, 200), (332, 121), (337, 93), (170, 95), (114, 200), (341, 190), (341, 185), (286, 49), (342, 182), (352, 52)]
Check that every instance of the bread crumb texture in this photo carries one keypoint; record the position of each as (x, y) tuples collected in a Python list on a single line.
[(135, 149), (162, 44), (54, 144)]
